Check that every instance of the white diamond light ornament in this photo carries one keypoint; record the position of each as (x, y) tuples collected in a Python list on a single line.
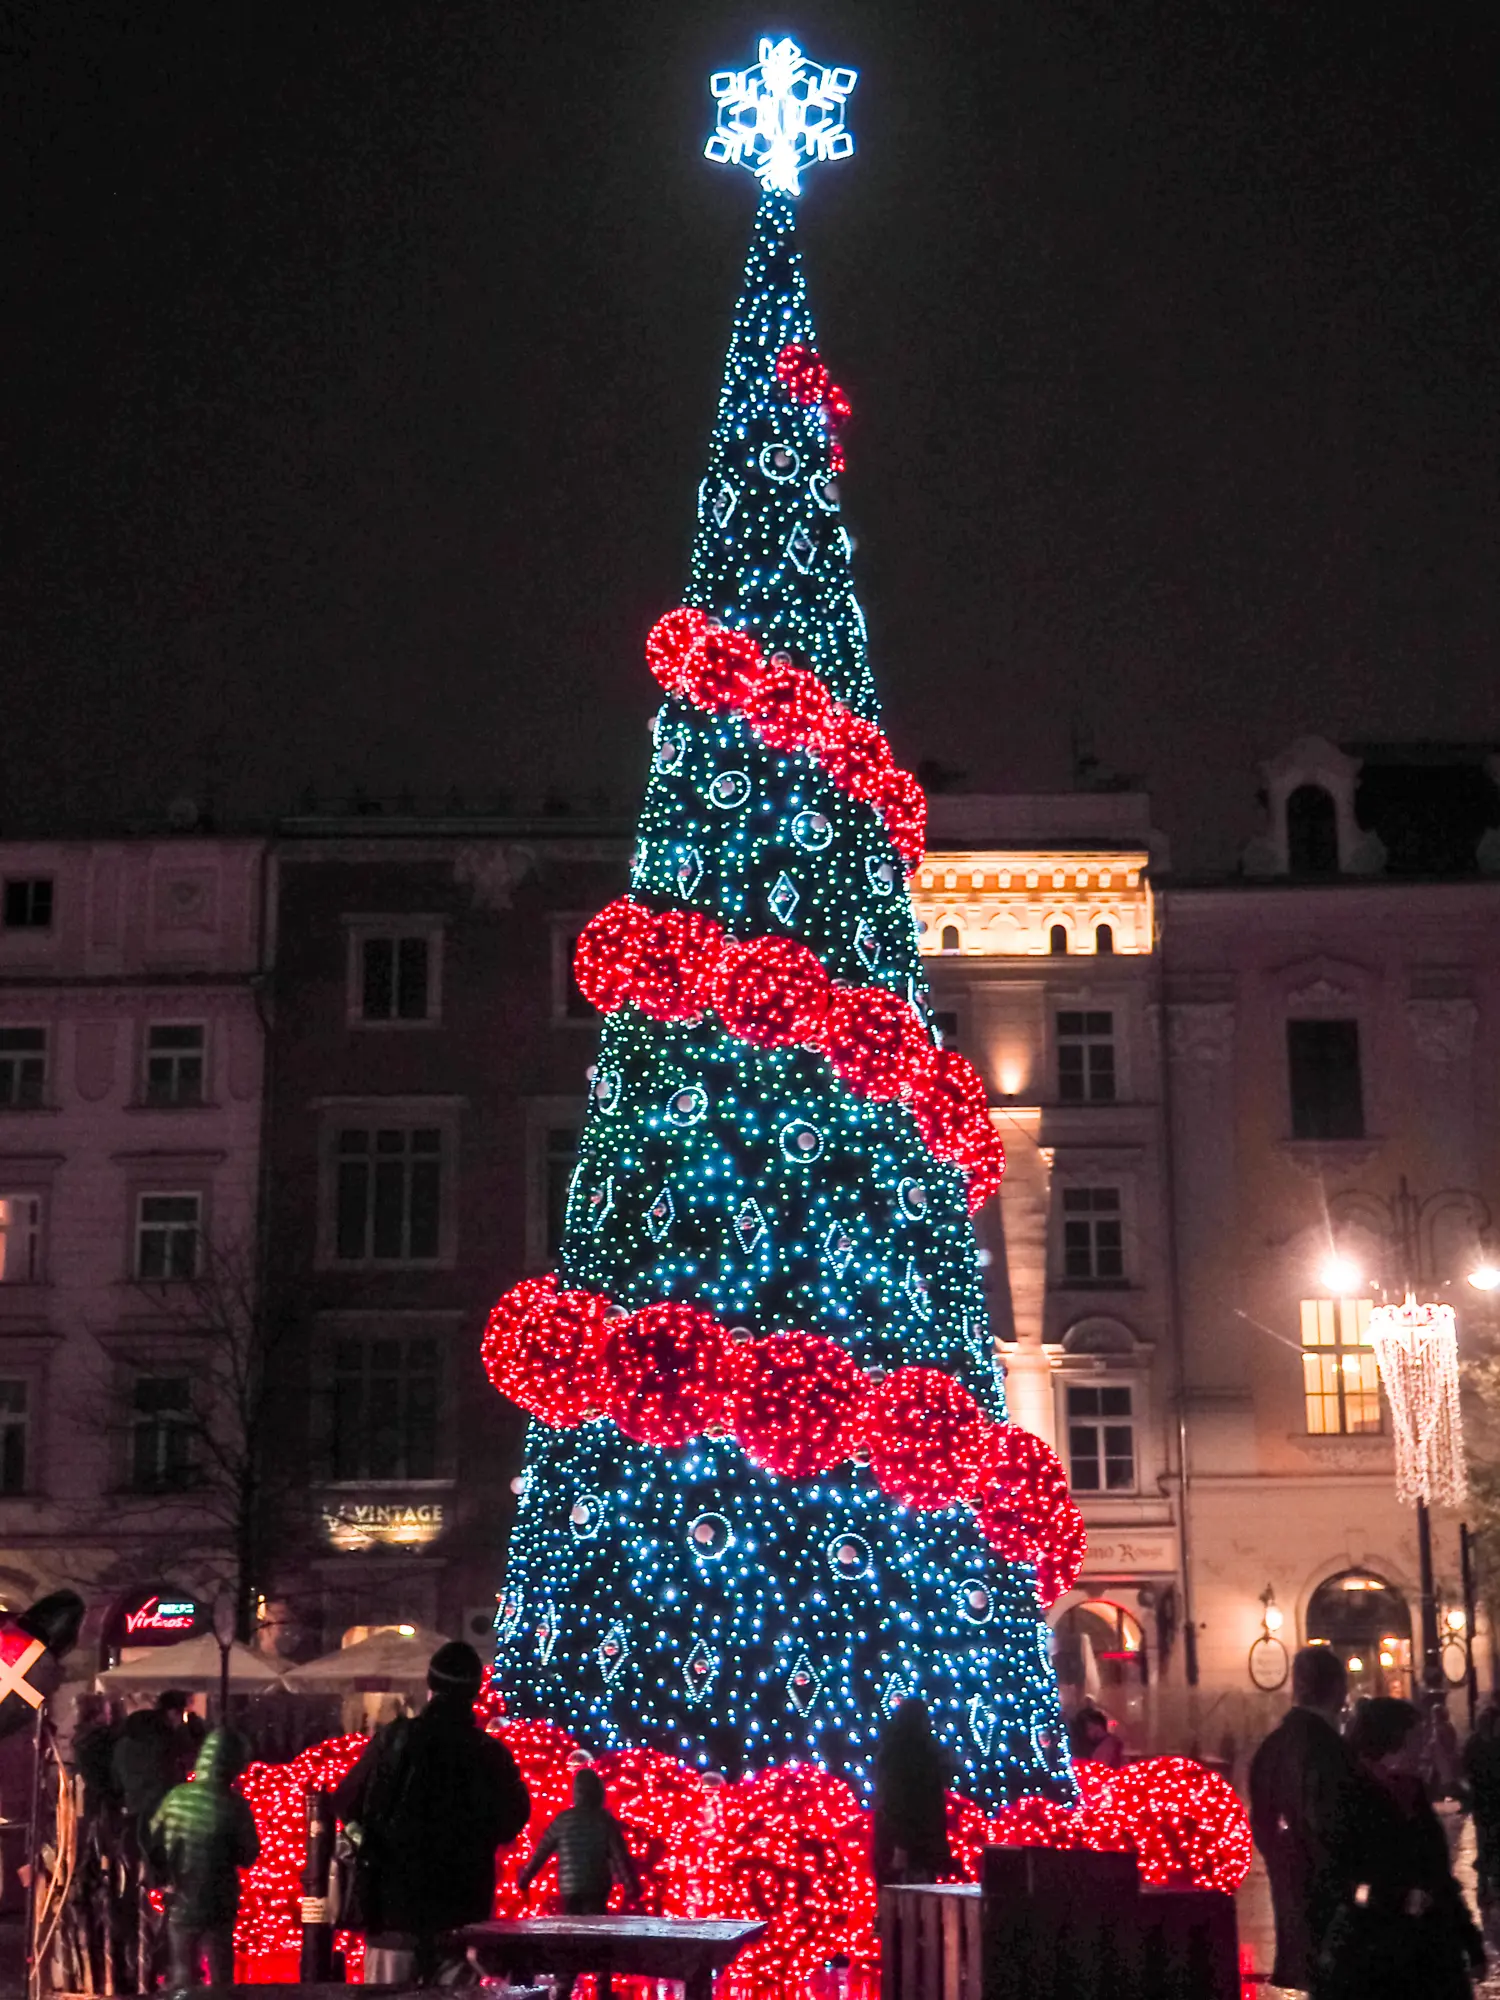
[(780, 116)]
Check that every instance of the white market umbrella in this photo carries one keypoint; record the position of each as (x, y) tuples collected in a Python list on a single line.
[(193, 1665), (385, 1663)]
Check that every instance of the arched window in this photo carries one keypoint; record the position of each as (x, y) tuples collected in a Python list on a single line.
[(1367, 1623), (1057, 942), (1104, 938), (1312, 832), (950, 937)]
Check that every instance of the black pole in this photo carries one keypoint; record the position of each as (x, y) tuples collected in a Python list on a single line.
[(223, 1684), (1432, 1658), (317, 1930), (1471, 1610)]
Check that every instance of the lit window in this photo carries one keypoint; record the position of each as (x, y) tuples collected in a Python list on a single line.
[(28, 903), (1086, 1057), (20, 1239), (23, 1067), (167, 1232), (174, 1064), (1101, 1440), (1340, 1381), (161, 1433), (389, 1194), (15, 1425), (395, 974), (1093, 1241), (386, 1398)]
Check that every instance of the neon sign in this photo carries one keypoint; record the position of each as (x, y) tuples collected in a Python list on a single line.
[(162, 1614)]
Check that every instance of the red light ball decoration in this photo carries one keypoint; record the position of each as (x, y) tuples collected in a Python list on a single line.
[(720, 668), (787, 707), (902, 804), (1185, 1823), (605, 955), (676, 964), (669, 642), (541, 1348), (949, 1097), (855, 754), (799, 1403), (666, 1373), (774, 992), (795, 1859), (927, 1437), (801, 373), (874, 1040)]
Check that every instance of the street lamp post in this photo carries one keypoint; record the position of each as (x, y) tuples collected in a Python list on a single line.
[(1416, 1351)]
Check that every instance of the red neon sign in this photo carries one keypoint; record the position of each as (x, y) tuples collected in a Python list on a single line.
[(162, 1615)]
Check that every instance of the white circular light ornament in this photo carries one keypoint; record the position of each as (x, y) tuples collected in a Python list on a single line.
[(779, 461), (686, 1106), (607, 1090), (585, 1517), (812, 831), (850, 1557), (882, 876), (709, 1537), (801, 1143), (825, 492), (781, 115), (912, 1195), (729, 790), (671, 748), (976, 1601)]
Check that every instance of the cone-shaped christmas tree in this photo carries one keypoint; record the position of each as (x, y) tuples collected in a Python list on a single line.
[(770, 1487)]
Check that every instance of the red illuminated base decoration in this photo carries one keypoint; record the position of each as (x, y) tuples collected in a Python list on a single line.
[(788, 708), (796, 1403), (788, 1847), (678, 965)]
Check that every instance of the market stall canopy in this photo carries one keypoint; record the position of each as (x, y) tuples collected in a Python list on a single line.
[(388, 1662), (194, 1665)]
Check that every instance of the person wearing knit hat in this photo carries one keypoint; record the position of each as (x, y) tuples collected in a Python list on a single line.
[(429, 1802)]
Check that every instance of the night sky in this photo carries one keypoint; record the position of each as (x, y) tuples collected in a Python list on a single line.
[(360, 361)]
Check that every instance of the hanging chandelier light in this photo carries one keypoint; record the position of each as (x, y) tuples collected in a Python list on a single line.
[(1416, 1350)]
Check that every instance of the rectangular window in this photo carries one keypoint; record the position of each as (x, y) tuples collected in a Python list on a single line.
[(1093, 1242), (174, 1064), (394, 978), (1323, 1069), (15, 1419), (389, 1195), (20, 1239), (23, 1067), (1086, 1057), (28, 903), (1340, 1381), (387, 1396), (561, 1161), (161, 1433), (1101, 1440), (167, 1231), (575, 1007)]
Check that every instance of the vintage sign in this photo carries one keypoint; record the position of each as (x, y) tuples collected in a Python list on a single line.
[(363, 1524)]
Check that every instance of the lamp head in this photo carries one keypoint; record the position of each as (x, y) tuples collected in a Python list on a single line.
[(1485, 1277), (1341, 1277)]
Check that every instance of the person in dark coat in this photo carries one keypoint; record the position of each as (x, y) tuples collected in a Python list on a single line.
[(432, 1798), (1481, 1768), (152, 1753), (1299, 1779), (1403, 1931), (910, 1831), (592, 1856)]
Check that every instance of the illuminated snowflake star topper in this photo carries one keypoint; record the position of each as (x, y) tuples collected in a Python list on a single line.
[(780, 116)]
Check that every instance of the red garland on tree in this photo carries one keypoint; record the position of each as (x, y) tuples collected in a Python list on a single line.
[(874, 1040), (773, 991), (798, 1404), (606, 952), (806, 380), (676, 963)]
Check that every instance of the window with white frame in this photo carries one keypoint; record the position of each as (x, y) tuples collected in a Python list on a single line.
[(1093, 1239), (1086, 1056), (395, 975), (1101, 1438), (388, 1194), (15, 1434), (174, 1063), (168, 1236), (162, 1426), (20, 1239), (1340, 1379), (23, 1067)]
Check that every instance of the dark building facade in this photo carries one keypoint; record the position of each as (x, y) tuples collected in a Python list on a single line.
[(426, 1076)]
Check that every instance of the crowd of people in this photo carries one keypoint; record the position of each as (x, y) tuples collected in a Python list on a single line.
[(1343, 1810)]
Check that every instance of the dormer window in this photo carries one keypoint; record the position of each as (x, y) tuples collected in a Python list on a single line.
[(1057, 941), (1312, 832)]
